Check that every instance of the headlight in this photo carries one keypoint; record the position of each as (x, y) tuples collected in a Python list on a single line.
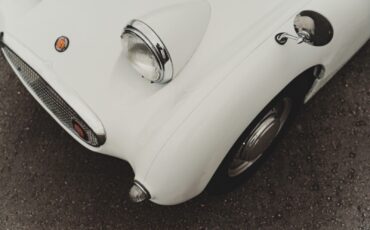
[(147, 53)]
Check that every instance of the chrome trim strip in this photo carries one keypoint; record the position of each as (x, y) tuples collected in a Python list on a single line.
[(153, 41)]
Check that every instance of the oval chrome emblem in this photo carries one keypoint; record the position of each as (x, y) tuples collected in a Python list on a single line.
[(62, 44)]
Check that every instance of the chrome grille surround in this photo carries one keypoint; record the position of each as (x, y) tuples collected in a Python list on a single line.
[(51, 99)]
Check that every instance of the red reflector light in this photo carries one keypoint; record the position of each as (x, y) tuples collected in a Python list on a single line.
[(79, 130)]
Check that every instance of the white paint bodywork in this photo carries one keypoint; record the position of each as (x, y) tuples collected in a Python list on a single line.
[(228, 67)]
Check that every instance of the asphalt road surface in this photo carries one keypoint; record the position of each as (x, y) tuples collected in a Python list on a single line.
[(318, 177)]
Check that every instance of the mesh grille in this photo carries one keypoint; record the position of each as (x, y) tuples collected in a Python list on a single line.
[(51, 99)]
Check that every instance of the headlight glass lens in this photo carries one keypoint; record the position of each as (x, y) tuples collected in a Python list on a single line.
[(147, 53), (141, 57)]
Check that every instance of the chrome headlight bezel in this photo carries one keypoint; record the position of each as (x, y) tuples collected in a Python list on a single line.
[(156, 46)]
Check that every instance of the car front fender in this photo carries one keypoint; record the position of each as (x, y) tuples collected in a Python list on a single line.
[(186, 163)]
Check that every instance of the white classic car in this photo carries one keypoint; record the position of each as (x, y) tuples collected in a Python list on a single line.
[(192, 93)]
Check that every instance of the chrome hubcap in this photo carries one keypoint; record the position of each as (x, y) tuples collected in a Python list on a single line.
[(262, 136)]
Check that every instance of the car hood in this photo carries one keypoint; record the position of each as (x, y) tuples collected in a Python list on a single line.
[(94, 29), (94, 67)]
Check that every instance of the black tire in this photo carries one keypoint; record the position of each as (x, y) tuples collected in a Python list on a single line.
[(222, 182)]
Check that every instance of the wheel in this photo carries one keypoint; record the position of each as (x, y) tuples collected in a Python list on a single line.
[(254, 145), (258, 140)]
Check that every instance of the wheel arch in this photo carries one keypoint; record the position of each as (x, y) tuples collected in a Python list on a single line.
[(300, 86), (307, 78), (186, 156)]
